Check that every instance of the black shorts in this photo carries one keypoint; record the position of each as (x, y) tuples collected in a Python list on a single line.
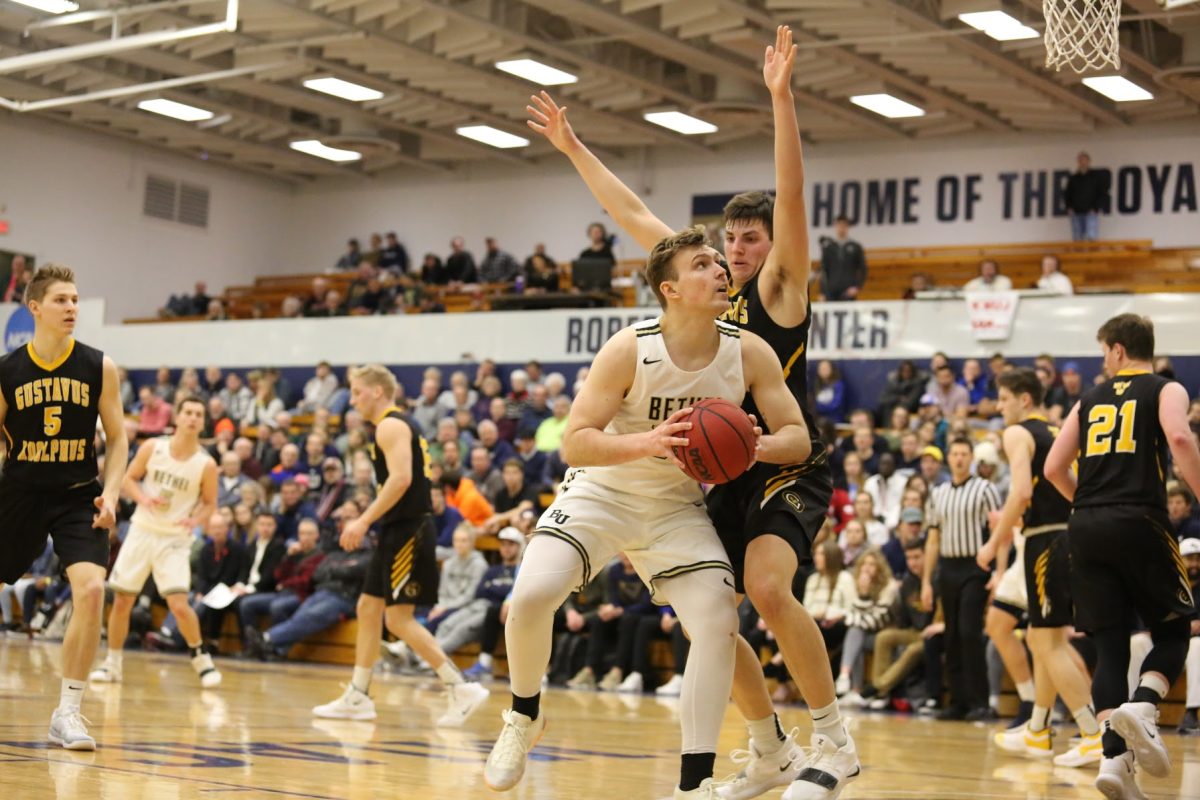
[(1125, 563), (28, 514), (1014, 611), (790, 502), (404, 569), (1048, 579)]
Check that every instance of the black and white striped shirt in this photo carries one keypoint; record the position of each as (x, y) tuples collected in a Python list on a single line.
[(960, 513)]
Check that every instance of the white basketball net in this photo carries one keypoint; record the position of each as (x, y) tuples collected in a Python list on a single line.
[(1082, 34)]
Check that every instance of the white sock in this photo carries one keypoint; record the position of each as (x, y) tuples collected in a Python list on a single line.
[(72, 695), (828, 720), (1085, 718), (114, 658), (449, 673), (765, 733), (994, 700), (361, 679), (485, 660), (1039, 720), (1025, 691)]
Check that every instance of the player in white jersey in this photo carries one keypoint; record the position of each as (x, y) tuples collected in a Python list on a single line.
[(173, 480), (626, 493)]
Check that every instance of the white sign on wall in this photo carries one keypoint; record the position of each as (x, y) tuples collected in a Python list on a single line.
[(991, 314)]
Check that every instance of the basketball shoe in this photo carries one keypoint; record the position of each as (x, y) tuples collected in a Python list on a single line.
[(1089, 750), (827, 771), (1116, 780), (506, 763), (1022, 741), (108, 672), (464, 699), (761, 773), (1137, 724), (707, 790), (68, 728), (353, 704), (210, 676)]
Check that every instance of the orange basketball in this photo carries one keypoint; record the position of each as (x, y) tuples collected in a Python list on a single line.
[(720, 444)]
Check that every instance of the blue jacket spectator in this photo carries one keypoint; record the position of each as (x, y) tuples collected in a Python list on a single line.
[(830, 392)]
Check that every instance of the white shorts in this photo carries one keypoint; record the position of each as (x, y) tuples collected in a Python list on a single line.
[(662, 538), (1012, 586), (143, 553)]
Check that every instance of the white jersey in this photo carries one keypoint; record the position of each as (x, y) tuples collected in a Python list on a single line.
[(176, 481), (659, 390)]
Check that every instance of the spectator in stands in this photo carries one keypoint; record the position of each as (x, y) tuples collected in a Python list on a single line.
[(933, 472), (128, 395), (980, 402), (14, 290), (199, 300), (1068, 394), (899, 423), (1047, 372), (427, 409), (517, 399), (843, 264), (433, 271), (609, 641), (291, 308), (1180, 510), (486, 477), (292, 577), (314, 302), (289, 464), (372, 255), (1053, 279), (514, 497), (885, 488), (1086, 196), (600, 243), (904, 388), (462, 494), (393, 257), (230, 480), (491, 593), (445, 521), (221, 561), (909, 529), (447, 431), (497, 266), (462, 573), (908, 458), (216, 310), (853, 539), (337, 582), (460, 265), (334, 491), (460, 392), (541, 274), (989, 279), (533, 459), (920, 282), (829, 392), (319, 389), (505, 425), (154, 418), (312, 460), (189, 385), (293, 507), (869, 612), (828, 592), (490, 389), (236, 396), (351, 258), (550, 432), (264, 408), (913, 625), (498, 449), (951, 397), (537, 408), (164, 387), (217, 414), (244, 449), (539, 252), (264, 554)]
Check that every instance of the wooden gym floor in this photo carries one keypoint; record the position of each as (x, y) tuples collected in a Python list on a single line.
[(162, 738)]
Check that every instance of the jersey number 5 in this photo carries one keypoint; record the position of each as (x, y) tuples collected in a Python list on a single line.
[(1101, 422), (51, 420)]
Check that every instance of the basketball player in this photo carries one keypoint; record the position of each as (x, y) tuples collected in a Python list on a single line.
[(403, 573), (624, 493), (1124, 558), (1044, 514), (173, 481), (51, 392), (769, 517)]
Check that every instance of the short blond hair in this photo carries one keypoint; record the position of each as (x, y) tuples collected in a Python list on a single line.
[(376, 375), (660, 266), (46, 275)]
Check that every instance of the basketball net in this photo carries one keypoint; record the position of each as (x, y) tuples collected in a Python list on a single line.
[(1082, 34)]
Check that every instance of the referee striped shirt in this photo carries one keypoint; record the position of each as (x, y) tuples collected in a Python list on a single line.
[(960, 513)]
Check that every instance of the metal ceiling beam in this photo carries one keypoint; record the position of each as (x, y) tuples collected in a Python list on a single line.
[(935, 97), (1008, 66), (712, 60)]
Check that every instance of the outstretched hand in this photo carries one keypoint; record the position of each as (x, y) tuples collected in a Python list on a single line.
[(550, 120), (777, 64)]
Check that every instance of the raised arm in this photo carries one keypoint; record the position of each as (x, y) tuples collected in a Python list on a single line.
[(1172, 417), (789, 262), (1063, 454), (789, 441), (626, 208), (116, 447)]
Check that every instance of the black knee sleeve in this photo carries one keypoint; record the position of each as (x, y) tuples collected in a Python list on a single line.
[(1110, 687), (1170, 648)]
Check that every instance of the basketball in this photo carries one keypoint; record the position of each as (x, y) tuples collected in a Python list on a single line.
[(720, 443)]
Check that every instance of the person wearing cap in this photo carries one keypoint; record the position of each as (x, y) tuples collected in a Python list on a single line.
[(1190, 725), (533, 459), (990, 467), (932, 469), (910, 528)]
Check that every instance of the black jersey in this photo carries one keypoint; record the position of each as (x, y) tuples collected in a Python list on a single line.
[(1048, 506), (50, 424), (790, 345), (1122, 449), (415, 502)]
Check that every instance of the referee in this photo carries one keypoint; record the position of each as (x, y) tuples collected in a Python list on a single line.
[(958, 528)]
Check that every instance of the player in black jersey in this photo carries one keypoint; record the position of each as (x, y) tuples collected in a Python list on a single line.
[(1124, 559), (1044, 512), (769, 517), (51, 392), (403, 573)]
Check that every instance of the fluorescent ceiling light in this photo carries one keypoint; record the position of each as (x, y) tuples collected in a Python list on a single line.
[(50, 6), (169, 108), (536, 71), (493, 136), (343, 89), (999, 26), (888, 106), (314, 148), (1114, 87), (680, 122)]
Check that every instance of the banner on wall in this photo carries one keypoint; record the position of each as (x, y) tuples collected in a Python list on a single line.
[(841, 331), (992, 314)]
